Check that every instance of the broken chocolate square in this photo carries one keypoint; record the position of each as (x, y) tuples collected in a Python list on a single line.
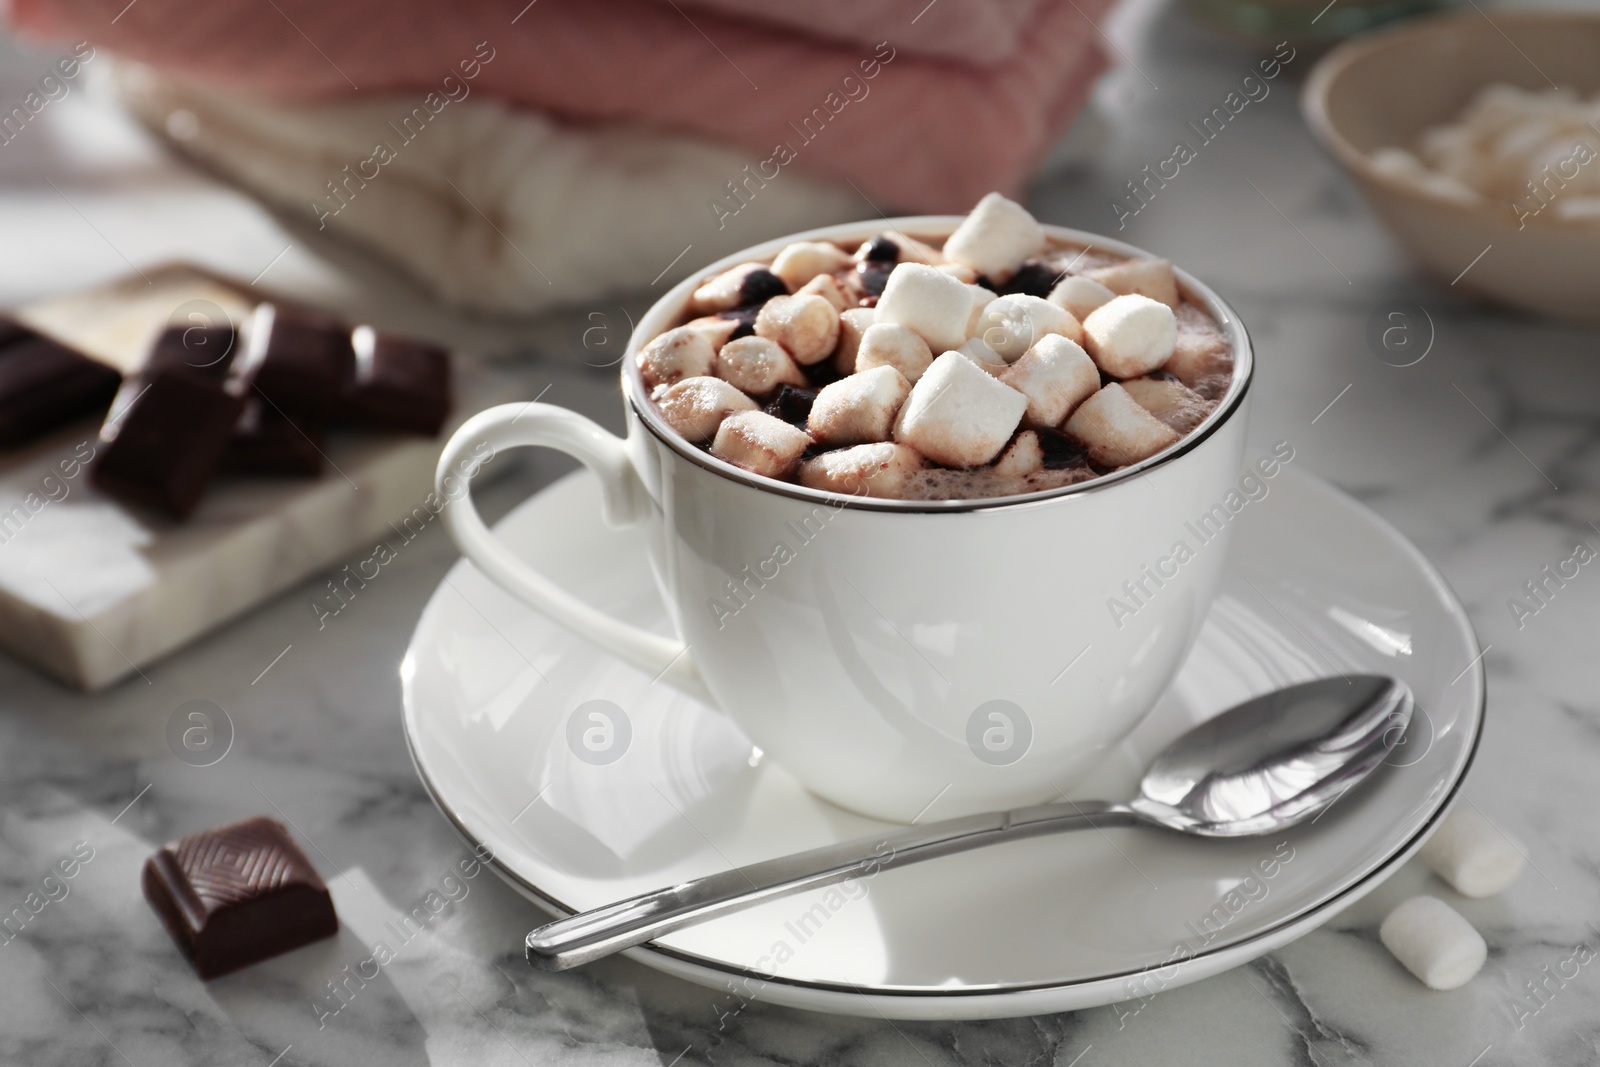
[(206, 350), (161, 448), (12, 330), (400, 384), (300, 361), (237, 895), (265, 442), (44, 384)]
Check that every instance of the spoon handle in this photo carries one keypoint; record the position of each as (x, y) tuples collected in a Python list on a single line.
[(591, 935)]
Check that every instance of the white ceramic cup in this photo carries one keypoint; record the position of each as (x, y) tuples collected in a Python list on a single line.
[(897, 657)]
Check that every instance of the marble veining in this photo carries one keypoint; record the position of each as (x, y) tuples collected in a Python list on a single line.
[(1486, 453)]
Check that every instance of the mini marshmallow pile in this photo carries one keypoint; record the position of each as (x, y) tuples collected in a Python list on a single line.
[(907, 371), (1429, 937), (1510, 145)]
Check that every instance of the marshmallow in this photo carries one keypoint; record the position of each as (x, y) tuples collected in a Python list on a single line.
[(915, 251), (981, 298), (1434, 942), (675, 355), (714, 328), (1197, 356), (959, 271), (1398, 163), (858, 409), (1171, 401), (760, 443), (982, 355), (1146, 277), (695, 407), (995, 238), (748, 283), (1115, 430), (935, 305), (1011, 324), (806, 326), (757, 366), (1402, 166), (1448, 187), (1470, 853), (1130, 335), (827, 287), (888, 344), (802, 261), (852, 327), (882, 470), (1079, 295), (959, 415), (1023, 456), (1056, 375)]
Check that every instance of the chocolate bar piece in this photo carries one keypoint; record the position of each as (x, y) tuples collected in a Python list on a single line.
[(300, 361), (237, 895), (266, 442), (162, 447), (44, 384), (203, 351), (207, 350), (400, 384)]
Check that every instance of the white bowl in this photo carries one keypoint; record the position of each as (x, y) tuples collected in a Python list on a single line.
[(1383, 89)]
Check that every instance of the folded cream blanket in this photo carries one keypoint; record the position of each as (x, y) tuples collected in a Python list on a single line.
[(491, 207)]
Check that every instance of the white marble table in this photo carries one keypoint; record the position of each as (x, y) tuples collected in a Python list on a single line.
[(1487, 453)]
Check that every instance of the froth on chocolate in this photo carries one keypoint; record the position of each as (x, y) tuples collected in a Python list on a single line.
[(945, 483)]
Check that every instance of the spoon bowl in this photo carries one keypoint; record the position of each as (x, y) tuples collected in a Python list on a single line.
[(1267, 764), (1276, 760)]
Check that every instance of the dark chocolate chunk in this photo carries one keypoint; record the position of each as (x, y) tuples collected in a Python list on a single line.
[(237, 895), (761, 285), (12, 330), (206, 350), (265, 442), (874, 276), (823, 372), (1033, 278), (162, 447), (881, 250), (300, 360), (44, 384), (400, 384), (792, 405), (745, 317), (1061, 451)]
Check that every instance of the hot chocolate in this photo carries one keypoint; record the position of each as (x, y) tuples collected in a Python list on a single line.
[(997, 362)]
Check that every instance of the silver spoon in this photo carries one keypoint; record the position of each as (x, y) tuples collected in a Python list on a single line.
[(1271, 762)]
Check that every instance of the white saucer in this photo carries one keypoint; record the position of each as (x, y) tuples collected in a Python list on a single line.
[(1317, 585)]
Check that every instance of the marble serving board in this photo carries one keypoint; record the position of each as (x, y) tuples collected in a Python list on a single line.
[(91, 591)]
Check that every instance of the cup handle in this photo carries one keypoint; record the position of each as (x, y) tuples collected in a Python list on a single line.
[(534, 424)]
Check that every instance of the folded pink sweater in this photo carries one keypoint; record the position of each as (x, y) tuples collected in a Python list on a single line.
[(910, 132)]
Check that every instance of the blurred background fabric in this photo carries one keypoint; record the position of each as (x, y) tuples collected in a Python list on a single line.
[(513, 156)]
